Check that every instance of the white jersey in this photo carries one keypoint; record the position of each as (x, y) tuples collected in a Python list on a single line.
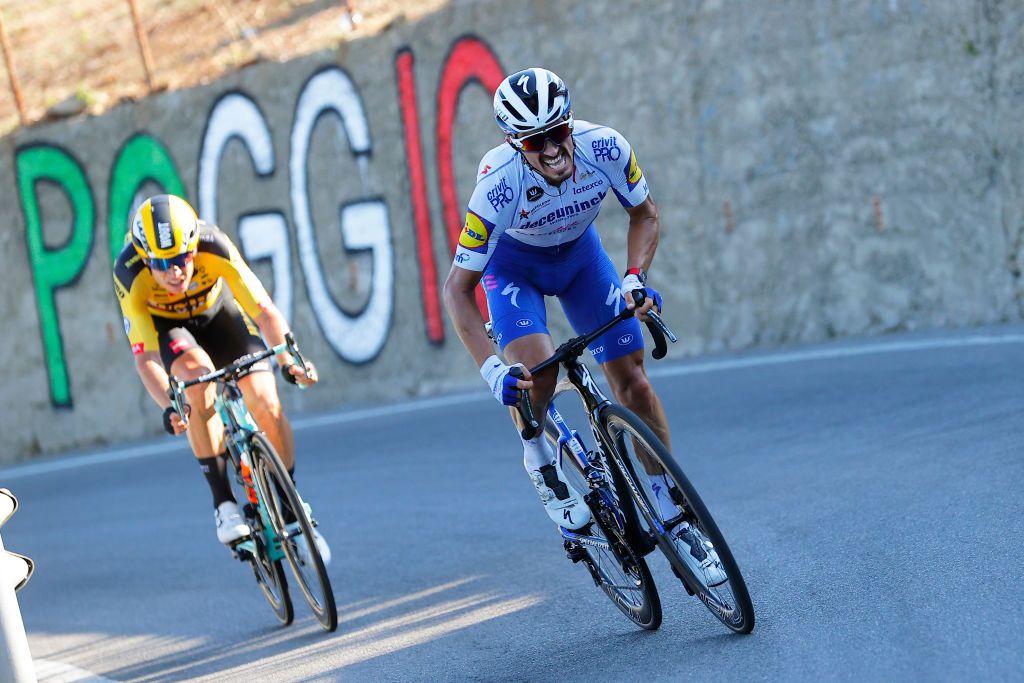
[(512, 200)]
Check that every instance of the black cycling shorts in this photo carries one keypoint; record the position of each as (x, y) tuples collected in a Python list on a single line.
[(226, 335)]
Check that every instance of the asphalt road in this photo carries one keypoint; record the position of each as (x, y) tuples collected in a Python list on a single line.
[(871, 492)]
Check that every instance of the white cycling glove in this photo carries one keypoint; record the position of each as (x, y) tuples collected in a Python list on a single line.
[(503, 385)]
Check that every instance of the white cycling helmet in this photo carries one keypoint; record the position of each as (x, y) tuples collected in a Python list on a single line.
[(529, 100)]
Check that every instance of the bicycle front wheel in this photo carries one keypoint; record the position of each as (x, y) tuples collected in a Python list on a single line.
[(688, 536), (282, 501)]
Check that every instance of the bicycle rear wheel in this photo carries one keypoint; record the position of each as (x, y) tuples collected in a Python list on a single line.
[(640, 451), (614, 565), (270, 575), (278, 494)]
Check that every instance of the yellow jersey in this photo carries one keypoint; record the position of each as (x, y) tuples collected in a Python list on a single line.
[(217, 262)]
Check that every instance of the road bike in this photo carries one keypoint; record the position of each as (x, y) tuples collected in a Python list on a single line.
[(272, 499), (627, 524)]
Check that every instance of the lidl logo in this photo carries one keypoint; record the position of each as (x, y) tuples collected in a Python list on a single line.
[(475, 233), (633, 172)]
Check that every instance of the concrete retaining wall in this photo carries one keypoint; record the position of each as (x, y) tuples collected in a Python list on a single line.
[(822, 169)]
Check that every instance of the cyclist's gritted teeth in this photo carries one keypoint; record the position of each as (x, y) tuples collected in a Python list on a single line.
[(556, 163)]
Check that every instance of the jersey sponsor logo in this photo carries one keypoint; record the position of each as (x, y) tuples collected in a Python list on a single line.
[(566, 211), (164, 236), (597, 351), (500, 195), (585, 174), (625, 340), (127, 325), (524, 322), (138, 348), (475, 233), (585, 188), (606, 149), (523, 213), (633, 172), (534, 193), (461, 258), (485, 169)]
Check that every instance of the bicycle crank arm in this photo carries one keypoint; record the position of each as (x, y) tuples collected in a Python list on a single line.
[(584, 540)]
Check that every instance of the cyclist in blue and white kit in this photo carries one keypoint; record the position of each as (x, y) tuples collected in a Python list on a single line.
[(530, 233)]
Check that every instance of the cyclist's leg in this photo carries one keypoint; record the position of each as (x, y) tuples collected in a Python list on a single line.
[(519, 324), (260, 392), (632, 388), (183, 357)]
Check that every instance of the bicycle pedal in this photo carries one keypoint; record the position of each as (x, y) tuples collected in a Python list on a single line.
[(574, 551)]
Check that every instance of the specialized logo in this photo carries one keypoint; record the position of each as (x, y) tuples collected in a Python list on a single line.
[(524, 322), (500, 195), (633, 172), (512, 292), (534, 193), (625, 340), (614, 297), (475, 233), (606, 149), (164, 236)]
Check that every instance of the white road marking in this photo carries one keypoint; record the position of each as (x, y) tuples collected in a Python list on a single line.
[(169, 444)]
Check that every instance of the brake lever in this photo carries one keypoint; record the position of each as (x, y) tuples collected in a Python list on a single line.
[(293, 349), (178, 398), (525, 407)]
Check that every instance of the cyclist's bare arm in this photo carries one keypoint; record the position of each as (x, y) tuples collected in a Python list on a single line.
[(460, 300), (274, 327), (154, 378), (642, 241)]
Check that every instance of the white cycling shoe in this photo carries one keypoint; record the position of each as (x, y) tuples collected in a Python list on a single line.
[(564, 505), (702, 558), (230, 525), (303, 547)]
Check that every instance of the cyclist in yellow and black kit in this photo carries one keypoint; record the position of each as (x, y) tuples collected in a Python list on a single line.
[(192, 305)]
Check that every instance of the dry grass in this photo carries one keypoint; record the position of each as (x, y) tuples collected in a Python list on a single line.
[(84, 53)]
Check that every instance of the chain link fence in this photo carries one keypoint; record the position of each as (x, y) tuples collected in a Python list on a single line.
[(65, 58)]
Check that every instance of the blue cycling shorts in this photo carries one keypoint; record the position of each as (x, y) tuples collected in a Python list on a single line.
[(519, 276)]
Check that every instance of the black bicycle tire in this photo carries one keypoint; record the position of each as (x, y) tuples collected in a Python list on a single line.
[(282, 607), (261, 449), (285, 613), (652, 599), (699, 510)]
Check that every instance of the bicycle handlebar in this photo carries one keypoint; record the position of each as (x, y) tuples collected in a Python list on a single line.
[(577, 345), (176, 387)]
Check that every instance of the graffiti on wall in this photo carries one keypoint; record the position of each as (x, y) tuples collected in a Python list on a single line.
[(365, 225)]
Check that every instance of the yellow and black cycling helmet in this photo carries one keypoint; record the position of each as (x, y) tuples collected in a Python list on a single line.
[(165, 231)]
